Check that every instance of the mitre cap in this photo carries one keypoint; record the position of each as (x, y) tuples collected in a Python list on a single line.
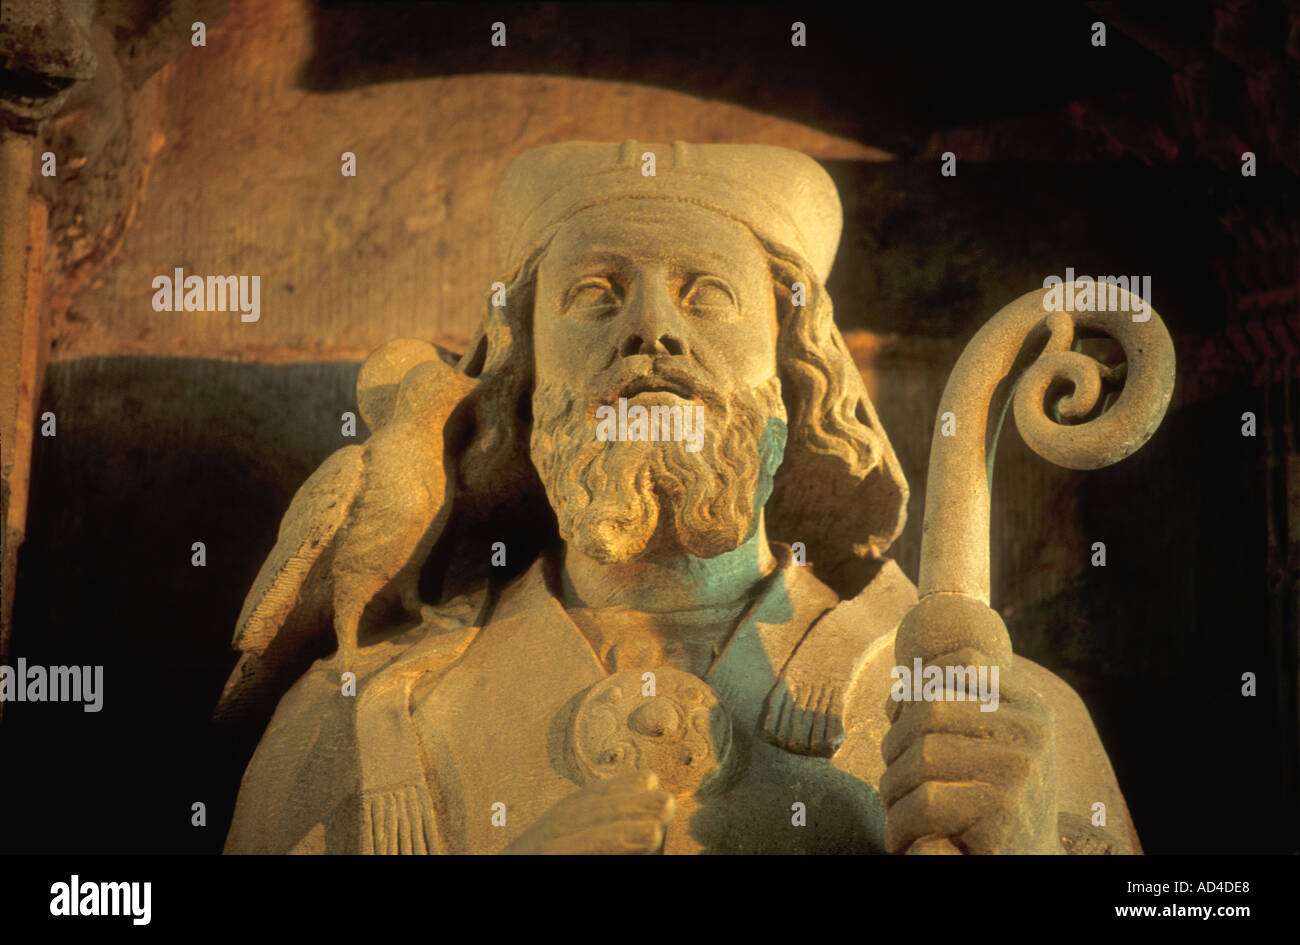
[(782, 195)]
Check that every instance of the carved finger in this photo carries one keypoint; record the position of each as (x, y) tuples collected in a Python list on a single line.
[(633, 782), (954, 758), (993, 681), (1009, 725), (933, 809), (593, 811)]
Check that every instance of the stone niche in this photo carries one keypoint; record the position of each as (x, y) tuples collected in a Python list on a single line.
[(176, 427)]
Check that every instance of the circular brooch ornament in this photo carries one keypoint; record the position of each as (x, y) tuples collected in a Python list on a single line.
[(682, 732)]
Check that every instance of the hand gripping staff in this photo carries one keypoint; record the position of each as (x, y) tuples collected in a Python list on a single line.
[(1081, 429)]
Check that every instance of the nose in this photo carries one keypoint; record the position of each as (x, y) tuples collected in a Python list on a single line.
[(651, 320)]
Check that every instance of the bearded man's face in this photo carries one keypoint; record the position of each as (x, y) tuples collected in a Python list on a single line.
[(666, 305)]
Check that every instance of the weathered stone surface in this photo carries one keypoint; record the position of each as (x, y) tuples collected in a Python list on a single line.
[(591, 704), (237, 169), (24, 338), (922, 254)]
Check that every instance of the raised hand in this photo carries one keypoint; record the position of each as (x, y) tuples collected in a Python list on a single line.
[(978, 775)]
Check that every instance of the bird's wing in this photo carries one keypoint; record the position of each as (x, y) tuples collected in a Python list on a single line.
[(286, 621), (403, 505), (287, 610)]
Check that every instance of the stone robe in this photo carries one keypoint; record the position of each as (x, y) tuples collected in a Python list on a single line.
[(461, 733)]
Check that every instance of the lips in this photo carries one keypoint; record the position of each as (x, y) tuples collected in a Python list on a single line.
[(657, 385)]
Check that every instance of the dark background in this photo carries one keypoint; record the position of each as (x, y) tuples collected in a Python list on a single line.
[(1123, 159)]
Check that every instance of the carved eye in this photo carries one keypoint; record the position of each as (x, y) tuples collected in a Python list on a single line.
[(592, 296), (709, 295)]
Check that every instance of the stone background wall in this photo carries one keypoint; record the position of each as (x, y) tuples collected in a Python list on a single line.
[(180, 427)]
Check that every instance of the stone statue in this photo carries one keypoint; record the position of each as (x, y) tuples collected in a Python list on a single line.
[(614, 580)]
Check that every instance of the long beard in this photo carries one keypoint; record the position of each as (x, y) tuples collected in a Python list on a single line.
[(609, 496)]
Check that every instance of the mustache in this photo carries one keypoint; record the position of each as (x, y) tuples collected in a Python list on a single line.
[(631, 378)]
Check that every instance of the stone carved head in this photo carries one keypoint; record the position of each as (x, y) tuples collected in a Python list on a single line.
[(675, 276)]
